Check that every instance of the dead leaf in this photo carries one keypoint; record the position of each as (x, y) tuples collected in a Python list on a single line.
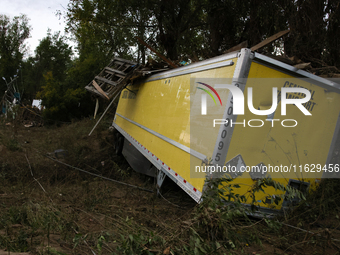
[(166, 251)]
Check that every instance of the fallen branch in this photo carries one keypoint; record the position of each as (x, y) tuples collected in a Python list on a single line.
[(97, 175), (309, 232), (157, 53), (29, 165), (269, 40), (325, 68)]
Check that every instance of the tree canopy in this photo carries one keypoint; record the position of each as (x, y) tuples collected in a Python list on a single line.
[(13, 34), (199, 29), (188, 30), (59, 88)]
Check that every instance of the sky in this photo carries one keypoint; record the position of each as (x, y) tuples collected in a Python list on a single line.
[(42, 15)]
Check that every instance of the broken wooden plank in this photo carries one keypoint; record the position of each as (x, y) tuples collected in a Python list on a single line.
[(281, 59), (269, 40), (237, 47), (95, 84), (106, 80), (114, 71), (107, 108), (157, 53), (125, 61), (303, 65), (114, 74), (94, 91)]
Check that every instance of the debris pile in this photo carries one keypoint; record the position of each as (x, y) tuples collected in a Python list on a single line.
[(31, 116)]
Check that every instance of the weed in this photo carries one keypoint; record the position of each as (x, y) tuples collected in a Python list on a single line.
[(138, 243), (88, 215), (12, 144), (221, 222)]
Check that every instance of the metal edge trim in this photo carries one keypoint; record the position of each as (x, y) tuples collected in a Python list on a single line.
[(241, 72), (212, 63), (273, 63), (160, 165), (332, 147), (172, 142)]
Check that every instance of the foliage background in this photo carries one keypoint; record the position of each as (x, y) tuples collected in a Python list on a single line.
[(182, 30)]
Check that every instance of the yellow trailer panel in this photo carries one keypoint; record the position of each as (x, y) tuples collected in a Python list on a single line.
[(183, 119)]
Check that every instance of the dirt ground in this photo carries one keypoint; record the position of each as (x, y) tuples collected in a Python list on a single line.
[(50, 205)]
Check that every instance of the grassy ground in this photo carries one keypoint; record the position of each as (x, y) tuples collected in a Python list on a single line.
[(47, 207)]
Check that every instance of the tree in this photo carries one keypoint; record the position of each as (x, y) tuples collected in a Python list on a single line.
[(99, 29), (225, 24), (13, 34), (140, 22), (199, 29), (109, 28), (333, 33), (177, 21), (53, 60), (308, 29), (53, 55)]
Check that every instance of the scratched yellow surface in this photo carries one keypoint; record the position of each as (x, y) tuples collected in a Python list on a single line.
[(164, 107), (307, 143)]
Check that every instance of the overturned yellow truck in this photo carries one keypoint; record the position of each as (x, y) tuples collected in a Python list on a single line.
[(242, 114)]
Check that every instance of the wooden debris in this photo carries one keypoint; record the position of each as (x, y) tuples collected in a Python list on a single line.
[(29, 125), (330, 75), (112, 78), (281, 59), (335, 75), (95, 84), (157, 53), (303, 66), (237, 47), (295, 60), (326, 69), (269, 40)]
